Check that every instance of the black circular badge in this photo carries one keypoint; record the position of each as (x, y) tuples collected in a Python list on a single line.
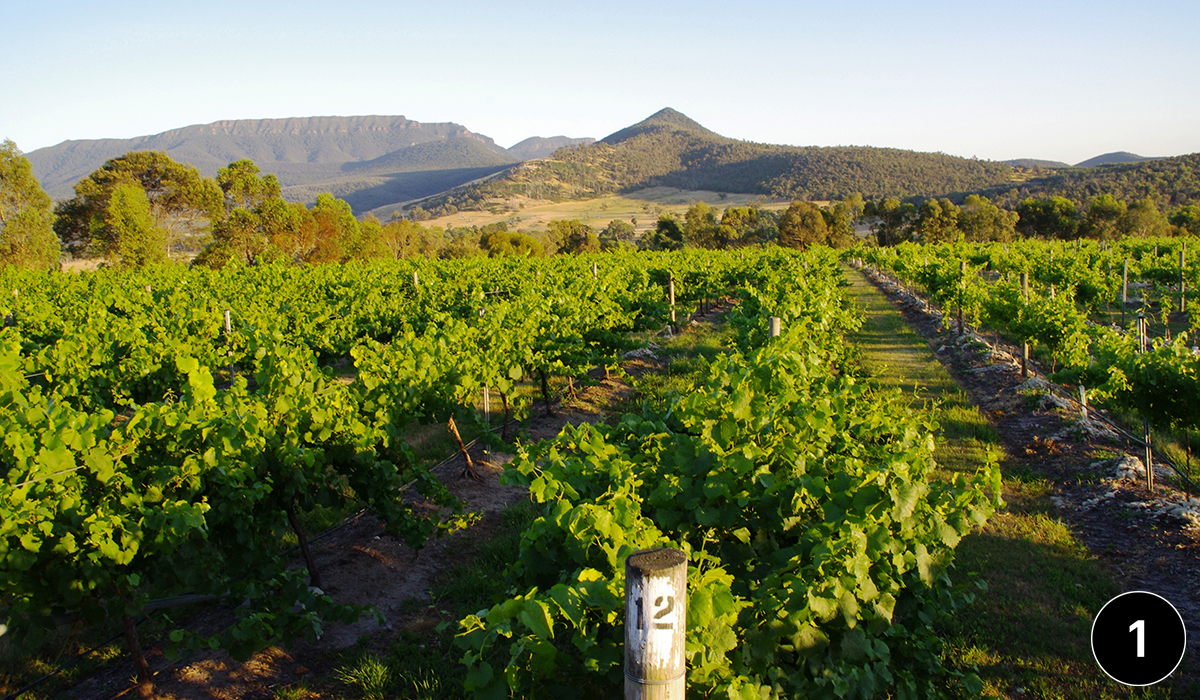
[(1138, 638)]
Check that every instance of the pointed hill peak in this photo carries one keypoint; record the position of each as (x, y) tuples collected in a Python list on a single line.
[(663, 120)]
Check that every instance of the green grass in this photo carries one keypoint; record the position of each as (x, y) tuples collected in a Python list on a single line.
[(1030, 628)]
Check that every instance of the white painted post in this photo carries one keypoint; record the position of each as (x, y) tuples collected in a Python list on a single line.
[(1083, 403), (1149, 453), (776, 324), (671, 295), (487, 407), (229, 351), (1182, 281), (1025, 344), (655, 624), (416, 282), (595, 272), (1124, 290)]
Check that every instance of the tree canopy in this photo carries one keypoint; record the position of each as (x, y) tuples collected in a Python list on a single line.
[(182, 203), (26, 219), (802, 225)]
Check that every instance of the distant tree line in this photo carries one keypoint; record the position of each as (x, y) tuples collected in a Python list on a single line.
[(1104, 217), (143, 208)]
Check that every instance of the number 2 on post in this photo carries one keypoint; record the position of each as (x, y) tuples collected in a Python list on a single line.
[(658, 615)]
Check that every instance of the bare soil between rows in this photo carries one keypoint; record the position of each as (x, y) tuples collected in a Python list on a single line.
[(1142, 549)]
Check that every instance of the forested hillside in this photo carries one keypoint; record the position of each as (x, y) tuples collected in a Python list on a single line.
[(669, 149), (1169, 181)]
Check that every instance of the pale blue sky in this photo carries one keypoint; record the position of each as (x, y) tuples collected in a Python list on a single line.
[(1054, 80)]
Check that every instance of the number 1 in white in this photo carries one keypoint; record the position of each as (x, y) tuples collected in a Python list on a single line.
[(1140, 626)]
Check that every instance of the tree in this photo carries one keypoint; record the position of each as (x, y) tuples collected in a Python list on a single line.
[(891, 220), (1187, 219), (937, 221), (572, 236), (701, 228), (242, 187), (498, 243), (126, 231), (980, 220), (1103, 218), (366, 240), (747, 226), (802, 225), (1056, 217), (839, 226), (1142, 218), (182, 203), (337, 231), (405, 238), (254, 217), (616, 234), (26, 220), (667, 234)]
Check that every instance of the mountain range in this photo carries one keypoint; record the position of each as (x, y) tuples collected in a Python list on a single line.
[(1106, 159), (369, 160), (385, 163)]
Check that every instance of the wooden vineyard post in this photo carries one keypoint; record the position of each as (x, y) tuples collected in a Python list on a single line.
[(962, 281), (775, 326), (1083, 412), (468, 470), (1141, 329), (655, 624), (228, 344), (416, 282), (487, 407), (671, 296), (1025, 343), (1124, 290), (1182, 281), (595, 271)]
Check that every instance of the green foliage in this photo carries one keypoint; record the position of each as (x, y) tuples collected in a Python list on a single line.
[(802, 225), (891, 220), (819, 547), (182, 203), (937, 221), (748, 226), (1172, 182), (26, 221), (668, 234), (133, 473), (510, 243), (1066, 282), (1187, 218), (1055, 217), (617, 234), (126, 232), (980, 220), (571, 236)]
